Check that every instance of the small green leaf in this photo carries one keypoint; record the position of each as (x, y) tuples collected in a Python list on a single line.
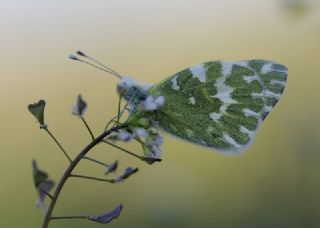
[(37, 110), (107, 217)]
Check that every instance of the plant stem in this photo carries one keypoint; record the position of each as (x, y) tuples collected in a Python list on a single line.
[(69, 170), (119, 107), (124, 150), (91, 178), (88, 128), (69, 217), (59, 145), (96, 161)]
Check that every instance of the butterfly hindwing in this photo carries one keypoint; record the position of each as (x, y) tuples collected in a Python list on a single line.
[(220, 104)]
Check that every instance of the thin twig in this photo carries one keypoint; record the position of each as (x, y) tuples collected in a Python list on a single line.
[(59, 145), (91, 178), (88, 128), (96, 161), (124, 150), (69, 217), (119, 112)]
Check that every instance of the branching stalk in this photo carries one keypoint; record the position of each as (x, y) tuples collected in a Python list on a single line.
[(91, 178), (69, 170)]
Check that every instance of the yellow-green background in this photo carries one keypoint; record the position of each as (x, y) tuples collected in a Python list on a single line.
[(276, 183)]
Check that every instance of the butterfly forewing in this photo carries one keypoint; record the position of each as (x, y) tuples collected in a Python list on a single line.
[(220, 104)]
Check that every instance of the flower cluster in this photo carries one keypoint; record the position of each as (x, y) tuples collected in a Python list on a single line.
[(142, 125)]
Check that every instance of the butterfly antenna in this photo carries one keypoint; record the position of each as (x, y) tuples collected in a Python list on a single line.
[(73, 57), (99, 63)]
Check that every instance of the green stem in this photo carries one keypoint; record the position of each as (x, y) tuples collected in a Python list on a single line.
[(88, 128), (91, 178), (69, 217), (124, 150), (69, 170), (59, 145), (119, 107), (96, 161)]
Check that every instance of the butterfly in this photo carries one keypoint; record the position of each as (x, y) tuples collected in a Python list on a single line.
[(220, 104), (216, 104)]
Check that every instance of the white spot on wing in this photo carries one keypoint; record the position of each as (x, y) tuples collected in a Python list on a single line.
[(226, 67), (215, 116), (210, 129), (249, 79), (230, 140), (267, 93), (268, 108), (189, 133), (243, 64), (192, 101), (246, 131), (272, 94), (198, 71), (224, 91), (267, 67), (248, 112), (273, 82), (174, 85)]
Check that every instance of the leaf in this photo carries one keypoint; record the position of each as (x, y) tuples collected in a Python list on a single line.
[(37, 110), (107, 217)]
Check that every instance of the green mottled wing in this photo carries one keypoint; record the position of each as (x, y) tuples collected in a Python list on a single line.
[(220, 104)]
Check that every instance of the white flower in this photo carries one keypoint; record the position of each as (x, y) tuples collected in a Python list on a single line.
[(153, 151), (148, 104), (157, 140), (125, 84), (140, 132), (125, 136)]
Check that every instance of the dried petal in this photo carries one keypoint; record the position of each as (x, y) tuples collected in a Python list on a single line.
[(107, 217), (41, 182), (80, 107), (112, 167), (127, 173)]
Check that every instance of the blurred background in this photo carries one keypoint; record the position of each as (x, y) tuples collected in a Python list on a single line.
[(276, 183)]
